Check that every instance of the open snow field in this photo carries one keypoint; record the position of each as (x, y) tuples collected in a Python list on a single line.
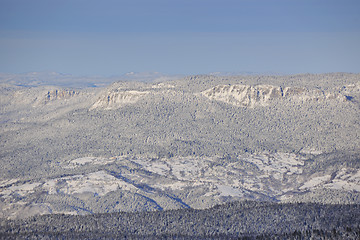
[(252, 176)]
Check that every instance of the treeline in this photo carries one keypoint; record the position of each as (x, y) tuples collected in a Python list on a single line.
[(244, 220)]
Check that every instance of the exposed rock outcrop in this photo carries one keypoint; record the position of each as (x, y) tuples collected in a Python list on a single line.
[(60, 94), (41, 96), (263, 95), (54, 95), (118, 98)]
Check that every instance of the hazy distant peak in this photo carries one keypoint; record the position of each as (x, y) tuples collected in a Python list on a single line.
[(149, 76), (35, 79), (242, 73)]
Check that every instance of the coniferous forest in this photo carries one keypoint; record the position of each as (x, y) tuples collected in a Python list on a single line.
[(236, 220)]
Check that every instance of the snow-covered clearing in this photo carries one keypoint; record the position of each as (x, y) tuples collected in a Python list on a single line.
[(228, 177), (22, 190), (273, 175), (277, 164), (230, 191), (315, 182), (88, 160), (158, 167), (99, 183)]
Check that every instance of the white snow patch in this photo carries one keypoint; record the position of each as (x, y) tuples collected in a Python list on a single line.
[(99, 183), (277, 164), (190, 170), (173, 186), (314, 182), (158, 167), (88, 160), (162, 85), (185, 168), (311, 151), (5, 182), (346, 179), (22, 190), (82, 161), (344, 185), (229, 191), (355, 177)]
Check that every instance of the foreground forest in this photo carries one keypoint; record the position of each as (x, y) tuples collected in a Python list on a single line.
[(244, 220)]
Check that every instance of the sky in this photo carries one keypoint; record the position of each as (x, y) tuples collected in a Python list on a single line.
[(112, 37)]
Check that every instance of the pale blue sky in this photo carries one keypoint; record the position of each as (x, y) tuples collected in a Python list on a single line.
[(108, 37)]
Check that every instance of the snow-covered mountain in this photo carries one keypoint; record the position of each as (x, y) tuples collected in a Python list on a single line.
[(188, 143)]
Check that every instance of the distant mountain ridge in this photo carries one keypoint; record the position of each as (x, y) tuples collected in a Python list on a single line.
[(34, 79)]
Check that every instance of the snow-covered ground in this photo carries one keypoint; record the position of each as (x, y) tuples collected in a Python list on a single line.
[(315, 182), (88, 160), (272, 175), (278, 164), (99, 183), (230, 179), (21, 190)]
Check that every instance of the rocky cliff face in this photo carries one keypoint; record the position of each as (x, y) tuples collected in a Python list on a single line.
[(41, 96), (263, 95), (117, 98), (60, 94), (54, 95)]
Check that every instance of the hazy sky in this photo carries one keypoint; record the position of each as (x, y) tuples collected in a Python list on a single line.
[(111, 37)]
